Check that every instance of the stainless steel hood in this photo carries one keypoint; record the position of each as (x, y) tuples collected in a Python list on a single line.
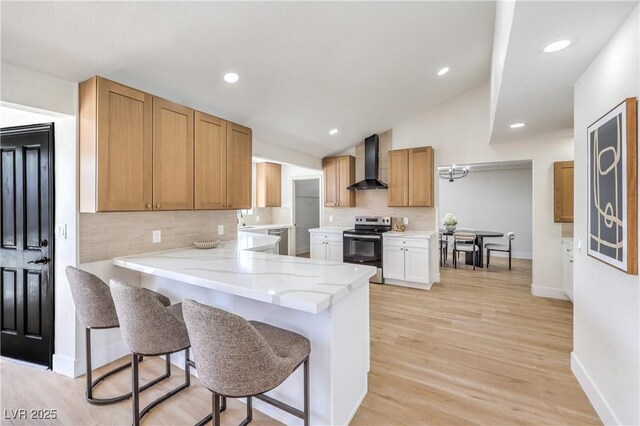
[(371, 146)]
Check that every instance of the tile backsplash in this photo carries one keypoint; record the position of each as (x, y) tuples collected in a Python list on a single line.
[(374, 202), (107, 235)]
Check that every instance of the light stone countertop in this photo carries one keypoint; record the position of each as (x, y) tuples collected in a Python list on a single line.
[(331, 229), (409, 234), (309, 285), (249, 228)]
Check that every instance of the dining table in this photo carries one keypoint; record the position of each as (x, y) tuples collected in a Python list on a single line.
[(480, 236)]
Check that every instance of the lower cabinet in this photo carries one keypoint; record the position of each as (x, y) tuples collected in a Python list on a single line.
[(326, 246), (406, 261), (567, 270)]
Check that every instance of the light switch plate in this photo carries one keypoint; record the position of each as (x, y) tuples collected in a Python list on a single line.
[(405, 220), (60, 231), (330, 218), (156, 236), (220, 229)]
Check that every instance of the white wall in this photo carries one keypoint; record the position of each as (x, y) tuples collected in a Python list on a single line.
[(495, 200), (54, 98), (606, 355), (459, 132), (307, 211)]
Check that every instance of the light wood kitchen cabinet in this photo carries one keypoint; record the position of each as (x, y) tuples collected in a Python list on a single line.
[(411, 177), (210, 162), (239, 148), (116, 143), (563, 192), (339, 173), (268, 185), (172, 156)]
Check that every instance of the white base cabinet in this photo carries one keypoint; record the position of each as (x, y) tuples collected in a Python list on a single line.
[(406, 261), (326, 246), (567, 268)]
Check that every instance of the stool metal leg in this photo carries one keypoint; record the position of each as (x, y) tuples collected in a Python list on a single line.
[(306, 392), (249, 418), (135, 403), (91, 384), (216, 409)]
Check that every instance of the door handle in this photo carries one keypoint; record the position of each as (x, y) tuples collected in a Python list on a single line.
[(42, 261)]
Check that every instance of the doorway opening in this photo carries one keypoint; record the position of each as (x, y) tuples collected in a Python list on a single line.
[(306, 212), (490, 201), (27, 242)]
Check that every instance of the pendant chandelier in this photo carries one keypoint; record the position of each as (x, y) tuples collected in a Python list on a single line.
[(453, 172)]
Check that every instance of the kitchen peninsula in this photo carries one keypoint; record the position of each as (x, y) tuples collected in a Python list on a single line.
[(327, 302)]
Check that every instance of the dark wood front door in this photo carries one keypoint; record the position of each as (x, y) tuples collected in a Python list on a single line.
[(26, 246)]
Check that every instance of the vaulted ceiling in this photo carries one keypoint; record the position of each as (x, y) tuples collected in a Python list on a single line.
[(308, 67), (305, 68)]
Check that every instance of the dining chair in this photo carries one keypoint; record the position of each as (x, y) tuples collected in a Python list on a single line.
[(464, 242), (500, 247)]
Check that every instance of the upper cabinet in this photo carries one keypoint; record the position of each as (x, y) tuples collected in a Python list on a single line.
[(116, 146), (411, 177), (172, 156), (140, 152), (339, 173), (563, 192), (268, 185), (210, 168), (239, 148)]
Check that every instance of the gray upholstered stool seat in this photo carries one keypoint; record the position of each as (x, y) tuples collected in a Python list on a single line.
[(96, 310), (240, 358), (150, 328), (287, 344)]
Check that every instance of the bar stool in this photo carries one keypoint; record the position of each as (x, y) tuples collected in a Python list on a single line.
[(150, 328), (95, 308), (237, 358)]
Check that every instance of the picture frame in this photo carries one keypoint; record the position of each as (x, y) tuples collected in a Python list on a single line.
[(612, 181)]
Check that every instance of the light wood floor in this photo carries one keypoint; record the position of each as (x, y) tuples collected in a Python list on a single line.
[(476, 349)]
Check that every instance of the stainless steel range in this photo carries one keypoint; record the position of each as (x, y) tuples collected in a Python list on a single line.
[(363, 244)]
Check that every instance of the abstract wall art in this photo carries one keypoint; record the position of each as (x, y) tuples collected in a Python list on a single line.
[(612, 219)]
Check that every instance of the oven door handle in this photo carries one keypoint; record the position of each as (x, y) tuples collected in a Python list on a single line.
[(363, 237)]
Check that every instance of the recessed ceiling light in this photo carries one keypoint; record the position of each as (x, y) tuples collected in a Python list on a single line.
[(443, 71), (231, 77), (333, 131), (517, 125), (556, 46)]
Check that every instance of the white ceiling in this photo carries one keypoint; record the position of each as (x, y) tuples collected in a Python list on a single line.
[(537, 87), (304, 67)]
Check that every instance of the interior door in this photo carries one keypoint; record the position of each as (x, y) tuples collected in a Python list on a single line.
[(26, 250)]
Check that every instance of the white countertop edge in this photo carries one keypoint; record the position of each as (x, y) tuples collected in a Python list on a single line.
[(330, 229), (408, 234)]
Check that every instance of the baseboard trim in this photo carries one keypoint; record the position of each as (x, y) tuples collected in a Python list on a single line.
[(548, 292), (596, 398), (64, 365)]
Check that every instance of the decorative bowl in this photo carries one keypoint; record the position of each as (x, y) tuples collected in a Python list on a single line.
[(206, 244)]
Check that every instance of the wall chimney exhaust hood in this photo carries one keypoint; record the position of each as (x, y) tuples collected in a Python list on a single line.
[(370, 167)]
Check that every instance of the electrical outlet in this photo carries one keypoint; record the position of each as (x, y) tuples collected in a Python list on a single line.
[(330, 218), (220, 229), (156, 236), (60, 231), (405, 220), (257, 218)]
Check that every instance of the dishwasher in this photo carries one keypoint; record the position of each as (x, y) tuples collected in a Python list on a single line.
[(283, 245)]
